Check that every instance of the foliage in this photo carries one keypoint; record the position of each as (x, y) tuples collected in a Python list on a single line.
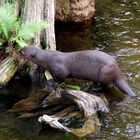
[(14, 34), (76, 87)]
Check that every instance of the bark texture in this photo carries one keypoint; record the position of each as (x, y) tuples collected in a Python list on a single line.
[(50, 18), (7, 70), (89, 104), (2, 2), (74, 10), (33, 10), (40, 10)]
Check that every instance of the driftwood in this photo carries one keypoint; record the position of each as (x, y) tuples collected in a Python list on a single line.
[(87, 103), (62, 104)]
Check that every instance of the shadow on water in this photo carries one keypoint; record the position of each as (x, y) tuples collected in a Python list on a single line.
[(116, 30)]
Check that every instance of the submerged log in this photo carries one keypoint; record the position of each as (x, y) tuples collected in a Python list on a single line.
[(38, 99), (50, 111), (29, 104)]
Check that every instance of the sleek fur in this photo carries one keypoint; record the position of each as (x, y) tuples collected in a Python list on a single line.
[(91, 65)]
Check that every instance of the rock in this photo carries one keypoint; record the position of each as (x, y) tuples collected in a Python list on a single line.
[(74, 10)]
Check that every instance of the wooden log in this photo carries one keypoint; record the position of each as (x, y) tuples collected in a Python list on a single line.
[(51, 111), (86, 102), (8, 68), (39, 99), (33, 101)]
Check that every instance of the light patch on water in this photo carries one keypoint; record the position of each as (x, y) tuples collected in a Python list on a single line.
[(128, 52), (137, 32), (127, 13)]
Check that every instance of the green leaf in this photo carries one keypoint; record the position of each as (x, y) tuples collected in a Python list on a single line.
[(7, 49), (7, 19), (25, 33), (21, 43), (36, 26), (1, 43), (29, 29), (12, 29), (14, 56), (73, 87)]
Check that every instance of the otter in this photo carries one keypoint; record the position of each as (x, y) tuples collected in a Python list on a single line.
[(93, 65)]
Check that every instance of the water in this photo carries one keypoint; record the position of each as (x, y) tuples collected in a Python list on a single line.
[(116, 30)]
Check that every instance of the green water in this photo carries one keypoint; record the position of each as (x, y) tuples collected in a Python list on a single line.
[(116, 30)]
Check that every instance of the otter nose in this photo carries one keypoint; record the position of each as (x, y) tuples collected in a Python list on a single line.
[(22, 51)]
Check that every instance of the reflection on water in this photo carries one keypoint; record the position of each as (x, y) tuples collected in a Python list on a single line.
[(119, 21), (116, 30), (72, 37)]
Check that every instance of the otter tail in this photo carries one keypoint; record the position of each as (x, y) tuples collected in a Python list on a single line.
[(123, 86)]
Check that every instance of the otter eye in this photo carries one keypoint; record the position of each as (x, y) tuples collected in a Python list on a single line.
[(33, 54)]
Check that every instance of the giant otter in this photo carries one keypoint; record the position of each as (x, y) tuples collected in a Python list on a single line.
[(91, 65)]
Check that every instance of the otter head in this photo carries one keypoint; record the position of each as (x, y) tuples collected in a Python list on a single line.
[(33, 54), (29, 52)]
